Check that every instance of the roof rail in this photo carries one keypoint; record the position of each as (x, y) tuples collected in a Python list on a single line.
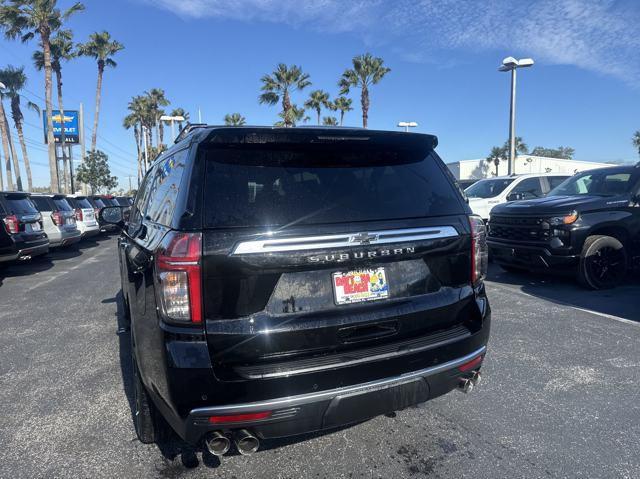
[(187, 130)]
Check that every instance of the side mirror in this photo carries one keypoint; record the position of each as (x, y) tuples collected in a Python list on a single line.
[(112, 215), (515, 196)]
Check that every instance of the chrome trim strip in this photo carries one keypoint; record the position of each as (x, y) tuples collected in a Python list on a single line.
[(302, 399), (346, 240)]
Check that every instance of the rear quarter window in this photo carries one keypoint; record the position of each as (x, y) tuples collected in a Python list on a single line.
[(164, 187), (278, 187)]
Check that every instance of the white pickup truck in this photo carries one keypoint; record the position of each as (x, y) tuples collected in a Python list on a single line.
[(487, 193)]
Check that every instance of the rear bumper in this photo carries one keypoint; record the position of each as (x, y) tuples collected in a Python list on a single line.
[(531, 257), (333, 408), (25, 251), (88, 231), (65, 238)]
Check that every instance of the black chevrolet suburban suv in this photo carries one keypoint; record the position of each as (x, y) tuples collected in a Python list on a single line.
[(588, 225), (21, 234), (283, 281)]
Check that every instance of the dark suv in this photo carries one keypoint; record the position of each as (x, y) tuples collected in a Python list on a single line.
[(589, 226), (282, 281), (21, 233)]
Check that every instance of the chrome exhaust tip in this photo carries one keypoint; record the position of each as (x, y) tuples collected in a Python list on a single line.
[(476, 378), (465, 385), (246, 442), (217, 443)]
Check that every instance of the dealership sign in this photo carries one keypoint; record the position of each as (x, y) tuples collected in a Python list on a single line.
[(71, 126)]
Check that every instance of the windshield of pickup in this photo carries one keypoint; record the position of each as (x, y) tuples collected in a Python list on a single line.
[(488, 188), (599, 183)]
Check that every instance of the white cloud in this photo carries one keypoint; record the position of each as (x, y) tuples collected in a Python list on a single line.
[(598, 35)]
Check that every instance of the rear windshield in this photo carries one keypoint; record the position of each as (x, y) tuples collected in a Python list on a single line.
[(488, 188), (98, 203), (123, 202), (599, 183), (255, 187), (20, 205), (82, 203), (109, 202), (62, 204)]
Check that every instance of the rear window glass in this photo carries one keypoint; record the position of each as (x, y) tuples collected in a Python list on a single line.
[(62, 204), (123, 202), (82, 203), (20, 205), (109, 202), (42, 203), (98, 203), (277, 187)]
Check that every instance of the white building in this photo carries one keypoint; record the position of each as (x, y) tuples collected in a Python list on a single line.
[(481, 168)]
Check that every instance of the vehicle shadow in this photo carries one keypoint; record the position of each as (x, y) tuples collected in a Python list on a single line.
[(173, 447), (620, 302)]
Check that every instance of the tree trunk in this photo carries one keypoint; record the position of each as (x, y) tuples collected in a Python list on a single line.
[(16, 114), (286, 106), (94, 136), (65, 161), (5, 149), (341, 117), (136, 134), (365, 106), (318, 112), (51, 144), (160, 132), (16, 164)]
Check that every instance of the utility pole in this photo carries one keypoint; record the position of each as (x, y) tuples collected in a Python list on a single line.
[(70, 156)]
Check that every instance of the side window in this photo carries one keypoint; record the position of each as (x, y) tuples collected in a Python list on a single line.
[(140, 204), (529, 188), (164, 188), (555, 181)]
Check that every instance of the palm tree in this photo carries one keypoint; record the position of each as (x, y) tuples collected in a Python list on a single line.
[(26, 19), (636, 140), (62, 49), (317, 100), (156, 99), (182, 113), (367, 70), (4, 132), (15, 80), (141, 119), (521, 146), (132, 121), (234, 119), (330, 121), (102, 48), (496, 156), (278, 87), (343, 105), (291, 118)]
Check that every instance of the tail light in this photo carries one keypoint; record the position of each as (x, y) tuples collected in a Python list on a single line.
[(178, 267), (57, 218), (12, 224), (479, 249), (79, 215)]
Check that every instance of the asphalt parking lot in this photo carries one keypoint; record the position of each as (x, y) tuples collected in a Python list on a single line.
[(559, 397)]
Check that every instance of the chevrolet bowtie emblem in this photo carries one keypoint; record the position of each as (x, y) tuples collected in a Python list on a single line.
[(363, 238)]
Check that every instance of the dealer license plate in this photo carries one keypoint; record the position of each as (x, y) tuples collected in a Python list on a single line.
[(359, 286)]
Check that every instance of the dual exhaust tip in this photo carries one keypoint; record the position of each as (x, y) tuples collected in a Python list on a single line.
[(466, 385), (219, 444)]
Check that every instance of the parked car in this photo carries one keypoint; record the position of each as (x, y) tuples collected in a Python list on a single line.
[(588, 226), (21, 234), (486, 194), (85, 215), (282, 281), (58, 219), (98, 203), (125, 203)]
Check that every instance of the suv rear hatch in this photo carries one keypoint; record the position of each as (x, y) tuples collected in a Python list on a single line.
[(23, 220), (323, 255)]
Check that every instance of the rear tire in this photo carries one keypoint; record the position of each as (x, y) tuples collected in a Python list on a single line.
[(149, 424), (603, 262)]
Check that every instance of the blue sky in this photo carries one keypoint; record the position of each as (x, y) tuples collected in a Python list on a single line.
[(583, 92)]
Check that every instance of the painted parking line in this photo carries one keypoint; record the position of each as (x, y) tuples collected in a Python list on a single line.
[(557, 301)]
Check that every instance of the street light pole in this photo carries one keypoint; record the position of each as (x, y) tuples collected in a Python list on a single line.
[(510, 64), (171, 120), (407, 124)]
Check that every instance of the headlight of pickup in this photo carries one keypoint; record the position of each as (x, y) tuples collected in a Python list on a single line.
[(564, 220)]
